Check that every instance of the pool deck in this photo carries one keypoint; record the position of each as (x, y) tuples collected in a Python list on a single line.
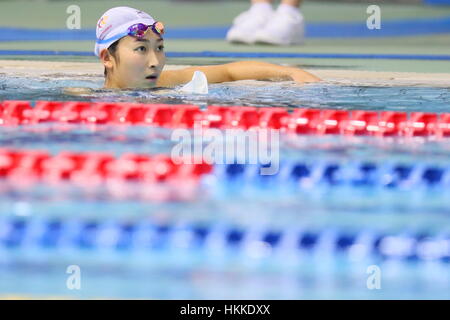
[(91, 70)]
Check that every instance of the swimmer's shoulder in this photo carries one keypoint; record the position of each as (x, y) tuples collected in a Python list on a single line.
[(173, 78), (164, 80)]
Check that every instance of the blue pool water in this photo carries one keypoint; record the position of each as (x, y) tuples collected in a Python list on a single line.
[(239, 236)]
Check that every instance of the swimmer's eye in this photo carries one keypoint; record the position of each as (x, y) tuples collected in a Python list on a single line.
[(160, 48), (141, 48)]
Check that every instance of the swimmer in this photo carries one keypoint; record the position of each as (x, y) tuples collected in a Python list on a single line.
[(130, 45)]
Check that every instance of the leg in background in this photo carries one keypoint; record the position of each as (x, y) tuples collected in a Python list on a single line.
[(286, 27), (261, 24), (294, 3), (248, 22)]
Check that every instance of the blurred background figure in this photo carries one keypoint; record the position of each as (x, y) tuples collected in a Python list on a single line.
[(262, 24)]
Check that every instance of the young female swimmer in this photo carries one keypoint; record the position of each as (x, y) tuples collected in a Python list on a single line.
[(131, 48)]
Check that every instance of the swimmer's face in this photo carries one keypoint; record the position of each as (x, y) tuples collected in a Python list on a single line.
[(139, 64)]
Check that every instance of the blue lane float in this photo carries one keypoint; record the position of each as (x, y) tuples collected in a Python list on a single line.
[(364, 174), (83, 235)]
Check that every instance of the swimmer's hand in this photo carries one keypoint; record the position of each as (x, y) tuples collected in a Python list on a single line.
[(301, 76), (77, 91)]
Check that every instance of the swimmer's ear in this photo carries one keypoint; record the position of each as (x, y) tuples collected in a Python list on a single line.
[(106, 58)]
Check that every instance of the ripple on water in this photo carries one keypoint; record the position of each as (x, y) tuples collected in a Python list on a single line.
[(254, 93)]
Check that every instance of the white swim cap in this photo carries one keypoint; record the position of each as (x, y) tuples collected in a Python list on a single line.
[(114, 24)]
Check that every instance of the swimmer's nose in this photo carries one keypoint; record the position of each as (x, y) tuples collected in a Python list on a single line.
[(153, 61)]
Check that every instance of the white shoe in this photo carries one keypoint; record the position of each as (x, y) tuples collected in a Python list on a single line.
[(285, 28), (247, 23)]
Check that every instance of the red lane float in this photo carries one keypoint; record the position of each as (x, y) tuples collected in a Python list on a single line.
[(94, 167), (300, 121)]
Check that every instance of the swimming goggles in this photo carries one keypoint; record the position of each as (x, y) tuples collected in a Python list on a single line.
[(137, 30)]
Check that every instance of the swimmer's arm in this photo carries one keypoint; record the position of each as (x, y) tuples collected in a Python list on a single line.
[(242, 70), (77, 91)]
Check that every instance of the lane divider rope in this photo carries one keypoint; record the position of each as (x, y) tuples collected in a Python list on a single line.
[(92, 168), (330, 173), (300, 121), (95, 235)]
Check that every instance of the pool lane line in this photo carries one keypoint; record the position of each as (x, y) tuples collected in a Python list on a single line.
[(389, 28), (309, 176), (219, 54), (24, 168), (300, 121), (39, 233), (98, 173)]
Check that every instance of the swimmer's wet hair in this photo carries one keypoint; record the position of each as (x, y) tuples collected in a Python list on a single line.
[(112, 49)]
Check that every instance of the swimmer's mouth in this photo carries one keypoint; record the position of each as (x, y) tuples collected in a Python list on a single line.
[(152, 77)]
